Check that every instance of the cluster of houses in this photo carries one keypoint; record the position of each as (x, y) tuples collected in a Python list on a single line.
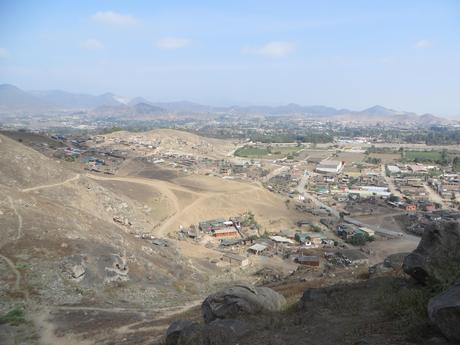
[(417, 169), (303, 247), (345, 188), (221, 228), (350, 233), (447, 186)]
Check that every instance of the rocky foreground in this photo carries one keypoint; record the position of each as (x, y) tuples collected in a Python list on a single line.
[(420, 306)]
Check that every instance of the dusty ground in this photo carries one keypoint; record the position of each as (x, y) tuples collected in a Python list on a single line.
[(350, 157), (387, 158), (173, 141)]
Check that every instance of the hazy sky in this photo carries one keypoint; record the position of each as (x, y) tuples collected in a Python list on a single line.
[(353, 54)]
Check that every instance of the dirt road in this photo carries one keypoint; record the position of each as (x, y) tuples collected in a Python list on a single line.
[(389, 181), (435, 197)]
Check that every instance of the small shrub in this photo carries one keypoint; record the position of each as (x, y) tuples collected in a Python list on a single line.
[(407, 305), (14, 317)]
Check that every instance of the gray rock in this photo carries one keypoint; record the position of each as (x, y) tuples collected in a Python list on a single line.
[(225, 332), (314, 295), (192, 335), (241, 299), (174, 330), (437, 256), (74, 268), (218, 332), (444, 312), (78, 271), (379, 269), (395, 261)]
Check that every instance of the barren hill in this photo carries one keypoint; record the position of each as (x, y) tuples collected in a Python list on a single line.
[(22, 167), (75, 244), (70, 246), (174, 141)]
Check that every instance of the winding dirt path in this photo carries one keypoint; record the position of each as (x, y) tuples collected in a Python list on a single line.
[(18, 215), (17, 284), (163, 187), (76, 177)]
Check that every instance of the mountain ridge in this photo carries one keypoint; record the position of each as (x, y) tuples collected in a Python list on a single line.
[(13, 98)]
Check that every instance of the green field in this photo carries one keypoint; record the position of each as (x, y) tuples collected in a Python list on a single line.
[(266, 151), (423, 156)]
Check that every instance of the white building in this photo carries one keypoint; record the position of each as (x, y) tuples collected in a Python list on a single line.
[(329, 167), (393, 169)]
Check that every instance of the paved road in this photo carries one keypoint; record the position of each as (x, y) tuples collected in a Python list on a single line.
[(335, 213)]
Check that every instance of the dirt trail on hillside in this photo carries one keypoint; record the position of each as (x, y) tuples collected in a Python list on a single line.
[(76, 177), (15, 271), (163, 187), (18, 215), (205, 197)]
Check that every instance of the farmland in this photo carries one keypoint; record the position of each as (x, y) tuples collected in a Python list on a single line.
[(423, 156), (249, 151)]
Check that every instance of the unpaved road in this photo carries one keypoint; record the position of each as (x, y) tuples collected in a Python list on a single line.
[(389, 181), (198, 200), (435, 197)]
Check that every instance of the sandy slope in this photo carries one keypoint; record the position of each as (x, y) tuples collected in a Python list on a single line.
[(175, 141), (196, 198)]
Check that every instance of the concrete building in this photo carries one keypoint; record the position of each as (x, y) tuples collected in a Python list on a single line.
[(226, 232), (329, 167), (310, 260), (235, 260), (257, 248), (393, 169), (368, 231)]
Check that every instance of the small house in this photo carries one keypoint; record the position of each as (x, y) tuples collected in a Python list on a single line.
[(411, 208), (310, 260), (235, 260), (226, 232), (257, 248), (356, 257), (369, 232)]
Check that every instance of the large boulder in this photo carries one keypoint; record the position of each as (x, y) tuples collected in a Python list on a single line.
[(175, 329), (192, 335), (241, 299), (218, 332), (444, 312), (395, 261), (225, 332), (437, 256)]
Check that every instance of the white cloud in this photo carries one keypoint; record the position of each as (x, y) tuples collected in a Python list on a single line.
[(274, 49), (4, 53), (422, 44), (172, 43), (114, 18), (92, 44)]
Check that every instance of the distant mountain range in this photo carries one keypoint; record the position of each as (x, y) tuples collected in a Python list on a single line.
[(13, 98)]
